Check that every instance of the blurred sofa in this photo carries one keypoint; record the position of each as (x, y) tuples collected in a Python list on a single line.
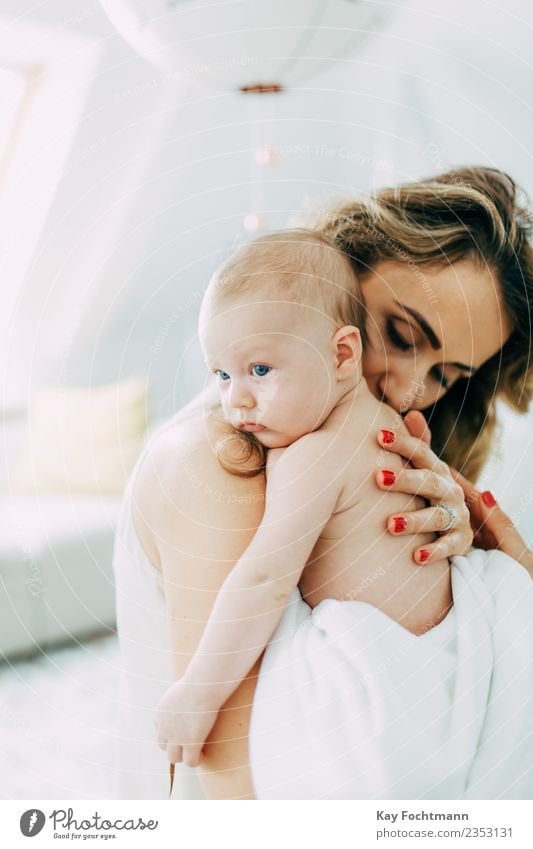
[(55, 569), (61, 483)]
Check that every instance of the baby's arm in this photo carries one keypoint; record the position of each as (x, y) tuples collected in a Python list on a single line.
[(302, 493)]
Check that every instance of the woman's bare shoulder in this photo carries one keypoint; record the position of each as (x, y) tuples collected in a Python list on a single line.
[(180, 474), (179, 449)]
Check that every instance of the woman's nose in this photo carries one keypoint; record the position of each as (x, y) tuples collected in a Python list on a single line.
[(240, 396), (405, 391)]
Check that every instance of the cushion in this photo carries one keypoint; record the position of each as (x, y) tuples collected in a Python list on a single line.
[(83, 439)]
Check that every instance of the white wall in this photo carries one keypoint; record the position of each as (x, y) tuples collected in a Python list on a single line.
[(155, 190)]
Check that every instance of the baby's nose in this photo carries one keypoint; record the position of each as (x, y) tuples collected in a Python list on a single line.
[(240, 396)]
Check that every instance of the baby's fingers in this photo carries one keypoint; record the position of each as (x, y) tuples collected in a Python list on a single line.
[(192, 755), (175, 754)]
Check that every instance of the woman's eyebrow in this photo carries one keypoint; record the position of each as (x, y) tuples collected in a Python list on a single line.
[(432, 337)]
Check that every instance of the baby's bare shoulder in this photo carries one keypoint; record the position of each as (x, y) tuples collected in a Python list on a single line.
[(314, 459), (312, 445)]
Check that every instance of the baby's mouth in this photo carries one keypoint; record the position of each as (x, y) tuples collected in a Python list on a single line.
[(251, 427)]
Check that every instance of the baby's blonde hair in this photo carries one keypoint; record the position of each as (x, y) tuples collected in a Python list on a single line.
[(300, 266)]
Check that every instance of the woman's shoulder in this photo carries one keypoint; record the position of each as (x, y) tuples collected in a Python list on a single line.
[(175, 446), (180, 484), (180, 463)]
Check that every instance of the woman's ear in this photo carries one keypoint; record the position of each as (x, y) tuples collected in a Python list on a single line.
[(348, 351)]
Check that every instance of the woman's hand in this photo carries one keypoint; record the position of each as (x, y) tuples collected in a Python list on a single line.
[(492, 527), (430, 478)]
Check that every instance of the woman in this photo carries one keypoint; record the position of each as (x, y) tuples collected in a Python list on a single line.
[(447, 277)]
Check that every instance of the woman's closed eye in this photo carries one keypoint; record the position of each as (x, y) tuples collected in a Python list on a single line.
[(399, 341), (396, 337), (439, 376)]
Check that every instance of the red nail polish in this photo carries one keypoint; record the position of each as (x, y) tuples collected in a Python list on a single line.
[(387, 437), (488, 499), (400, 524), (424, 555), (388, 477)]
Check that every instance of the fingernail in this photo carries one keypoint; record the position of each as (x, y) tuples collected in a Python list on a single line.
[(424, 555), (400, 524), (387, 437), (388, 477), (488, 499)]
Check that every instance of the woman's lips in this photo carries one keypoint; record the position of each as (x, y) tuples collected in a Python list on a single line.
[(250, 427)]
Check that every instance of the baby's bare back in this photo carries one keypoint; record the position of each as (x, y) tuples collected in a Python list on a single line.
[(356, 558)]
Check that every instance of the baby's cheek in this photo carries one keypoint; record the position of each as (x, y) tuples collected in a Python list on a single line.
[(266, 394)]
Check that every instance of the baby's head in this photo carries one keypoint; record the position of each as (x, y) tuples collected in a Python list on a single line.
[(281, 325)]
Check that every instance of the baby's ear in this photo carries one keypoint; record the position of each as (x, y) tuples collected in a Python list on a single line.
[(348, 351)]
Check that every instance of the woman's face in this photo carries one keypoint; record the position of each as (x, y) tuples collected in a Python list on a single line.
[(427, 327)]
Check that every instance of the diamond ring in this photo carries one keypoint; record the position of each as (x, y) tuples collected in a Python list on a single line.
[(451, 513)]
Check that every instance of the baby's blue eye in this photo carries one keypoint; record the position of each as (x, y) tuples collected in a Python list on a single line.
[(222, 375), (260, 370)]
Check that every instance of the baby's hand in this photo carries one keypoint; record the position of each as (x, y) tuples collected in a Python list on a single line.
[(183, 723)]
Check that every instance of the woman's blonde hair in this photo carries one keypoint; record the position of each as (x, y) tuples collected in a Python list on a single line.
[(470, 213)]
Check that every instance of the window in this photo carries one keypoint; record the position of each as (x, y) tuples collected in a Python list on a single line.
[(46, 72)]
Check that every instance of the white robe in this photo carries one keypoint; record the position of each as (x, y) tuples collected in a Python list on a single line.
[(350, 705)]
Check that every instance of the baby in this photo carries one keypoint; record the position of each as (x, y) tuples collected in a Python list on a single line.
[(281, 326)]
